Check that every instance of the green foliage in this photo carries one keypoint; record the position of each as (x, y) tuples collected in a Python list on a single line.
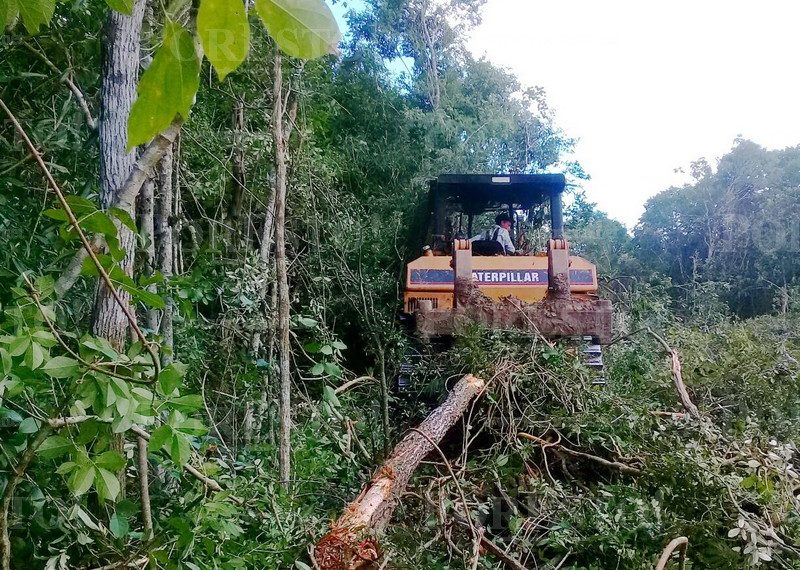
[(695, 479), (47, 374), (224, 34), (600, 239), (123, 6), (733, 225), (302, 28), (167, 88), (34, 13), (8, 12)]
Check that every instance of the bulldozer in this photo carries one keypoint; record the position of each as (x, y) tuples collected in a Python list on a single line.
[(454, 284)]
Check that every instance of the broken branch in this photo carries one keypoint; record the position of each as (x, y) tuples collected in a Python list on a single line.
[(345, 547), (677, 376), (616, 465)]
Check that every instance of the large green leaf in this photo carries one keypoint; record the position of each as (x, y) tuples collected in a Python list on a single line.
[(8, 13), (81, 479), (159, 438), (5, 358), (152, 300), (11, 415), (193, 426), (188, 403), (123, 6), (18, 345), (100, 345), (36, 13), (118, 525), (124, 218), (35, 356), (29, 425), (181, 449), (167, 88), (110, 460), (107, 485), (301, 28), (55, 446), (100, 223), (224, 33), (80, 206), (170, 378), (60, 367)]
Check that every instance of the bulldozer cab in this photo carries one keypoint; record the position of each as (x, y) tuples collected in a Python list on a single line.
[(449, 285), (461, 206)]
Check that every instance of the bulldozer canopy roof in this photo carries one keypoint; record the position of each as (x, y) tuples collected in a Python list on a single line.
[(476, 193)]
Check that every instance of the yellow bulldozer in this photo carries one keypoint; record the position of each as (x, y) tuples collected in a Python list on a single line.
[(455, 283)]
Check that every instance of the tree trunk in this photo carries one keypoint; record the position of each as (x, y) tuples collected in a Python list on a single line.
[(118, 91), (164, 247), (343, 548), (120, 74), (263, 411), (268, 231), (124, 199), (145, 206), (285, 401), (177, 210), (239, 179), (386, 424), (432, 61)]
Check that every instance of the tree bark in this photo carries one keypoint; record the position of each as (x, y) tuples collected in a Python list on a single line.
[(268, 231), (384, 381), (162, 223), (284, 346), (239, 175), (118, 90), (177, 209), (343, 548), (432, 59), (120, 74), (145, 207), (123, 199), (144, 485)]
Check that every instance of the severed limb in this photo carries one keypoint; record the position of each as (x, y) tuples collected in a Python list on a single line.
[(677, 377)]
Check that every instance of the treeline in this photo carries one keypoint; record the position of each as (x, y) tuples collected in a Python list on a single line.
[(729, 239)]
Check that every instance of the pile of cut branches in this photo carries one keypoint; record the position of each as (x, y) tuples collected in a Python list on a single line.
[(548, 470)]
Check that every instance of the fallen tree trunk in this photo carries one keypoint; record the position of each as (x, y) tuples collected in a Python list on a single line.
[(350, 544)]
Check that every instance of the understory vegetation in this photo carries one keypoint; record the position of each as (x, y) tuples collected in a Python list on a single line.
[(204, 376)]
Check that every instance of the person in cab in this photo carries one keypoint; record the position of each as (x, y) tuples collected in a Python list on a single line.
[(495, 240)]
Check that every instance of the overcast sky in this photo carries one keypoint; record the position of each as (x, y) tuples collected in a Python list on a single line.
[(649, 86)]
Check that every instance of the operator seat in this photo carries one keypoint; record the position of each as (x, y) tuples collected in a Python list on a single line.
[(487, 247)]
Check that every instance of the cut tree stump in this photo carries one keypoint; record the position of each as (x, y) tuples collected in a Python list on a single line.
[(350, 544)]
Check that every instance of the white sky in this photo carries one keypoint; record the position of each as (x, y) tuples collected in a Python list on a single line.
[(649, 86)]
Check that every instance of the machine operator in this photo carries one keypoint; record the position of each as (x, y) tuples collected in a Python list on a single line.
[(500, 233)]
